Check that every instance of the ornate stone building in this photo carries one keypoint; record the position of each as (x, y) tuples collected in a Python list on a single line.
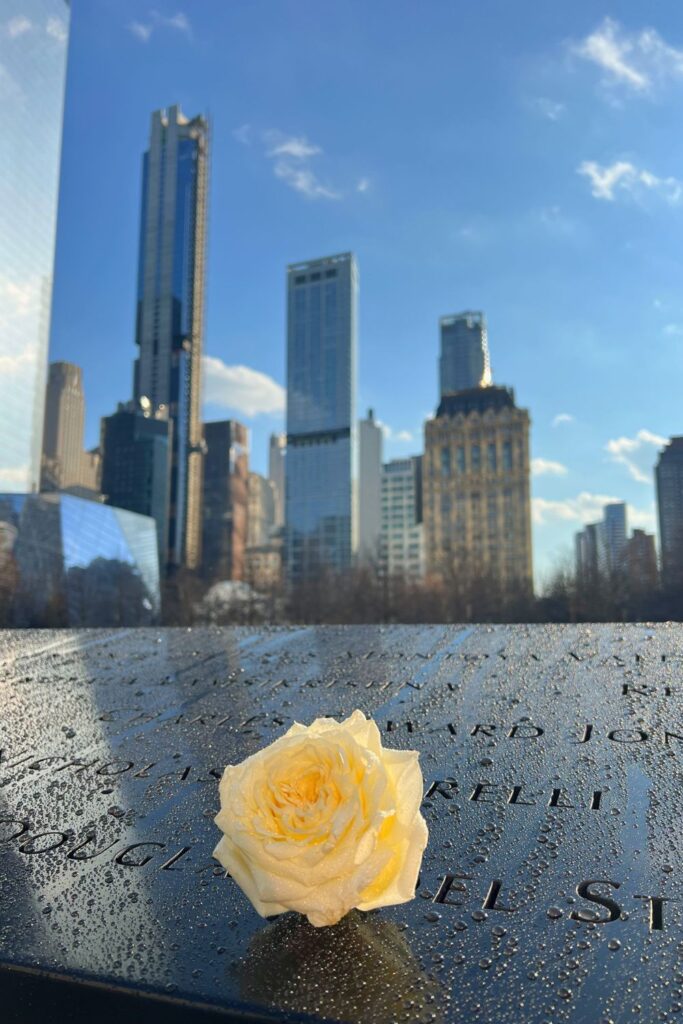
[(477, 509)]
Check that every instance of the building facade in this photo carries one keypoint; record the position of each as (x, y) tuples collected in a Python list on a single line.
[(589, 554), (369, 488), (464, 352), (615, 535), (65, 465), (170, 310), (321, 499), (74, 562), (33, 56), (261, 502), (277, 455), (600, 548), (225, 500), (477, 509), (402, 551), (640, 559), (669, 480), (135, 443)]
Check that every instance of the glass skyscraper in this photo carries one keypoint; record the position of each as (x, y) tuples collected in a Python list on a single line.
[(464, 359), (66, 561), (33, 50), (225, 499), (669, 479), (321, 467), (170, 310), (135, 446)]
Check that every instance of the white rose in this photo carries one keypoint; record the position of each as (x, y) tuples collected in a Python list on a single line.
[(324, 820)]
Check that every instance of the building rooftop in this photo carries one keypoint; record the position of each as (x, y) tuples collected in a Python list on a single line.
[(478, 400)]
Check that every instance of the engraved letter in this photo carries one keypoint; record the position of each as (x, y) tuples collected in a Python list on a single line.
[(656, 911), (136, 863), (490, 903), (480, 788), (449, 882), (515, 733), (583, 889)]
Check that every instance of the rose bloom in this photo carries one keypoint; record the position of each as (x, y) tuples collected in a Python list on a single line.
[(323, 820)]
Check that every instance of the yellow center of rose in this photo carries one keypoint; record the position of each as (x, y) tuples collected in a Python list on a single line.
[(301, 802), (305, 790)]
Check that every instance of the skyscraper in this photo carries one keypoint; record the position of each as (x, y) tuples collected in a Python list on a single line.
[(135, 443), (589, 554), (65, 465), (641, 561), (464, 359), (320, 516), (615, 531), (260, 510), (170, 310), (402, 540), (477, 508), (225, 500), (669, 477), (277, 454), (369, 487), (33, 51)]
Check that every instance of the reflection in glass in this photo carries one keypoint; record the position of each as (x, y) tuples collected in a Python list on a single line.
[(66, 561), (33, 45)]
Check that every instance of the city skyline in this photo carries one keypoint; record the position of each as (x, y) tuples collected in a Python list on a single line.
[(566, 328)]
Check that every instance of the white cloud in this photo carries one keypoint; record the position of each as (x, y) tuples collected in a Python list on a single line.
[(297, 147), (243, 134), (363, 185), (613, 50), (636, 453), (562, 417), (586, 508), (394, 435), (635, 60), (17, 26), (555, 221), (179, 21), (546, 467), (673, 330), (549, 108), (291, 157), (140, 31), (625, 177), (302, 179), (56, 28), (143, 30), (241, 388)]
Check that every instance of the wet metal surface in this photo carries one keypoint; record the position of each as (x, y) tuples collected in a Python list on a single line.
[(553, 763)]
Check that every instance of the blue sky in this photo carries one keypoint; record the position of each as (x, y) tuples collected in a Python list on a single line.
[(523, 159)]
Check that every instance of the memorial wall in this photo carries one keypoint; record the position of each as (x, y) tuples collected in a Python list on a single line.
[(549, 891)]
